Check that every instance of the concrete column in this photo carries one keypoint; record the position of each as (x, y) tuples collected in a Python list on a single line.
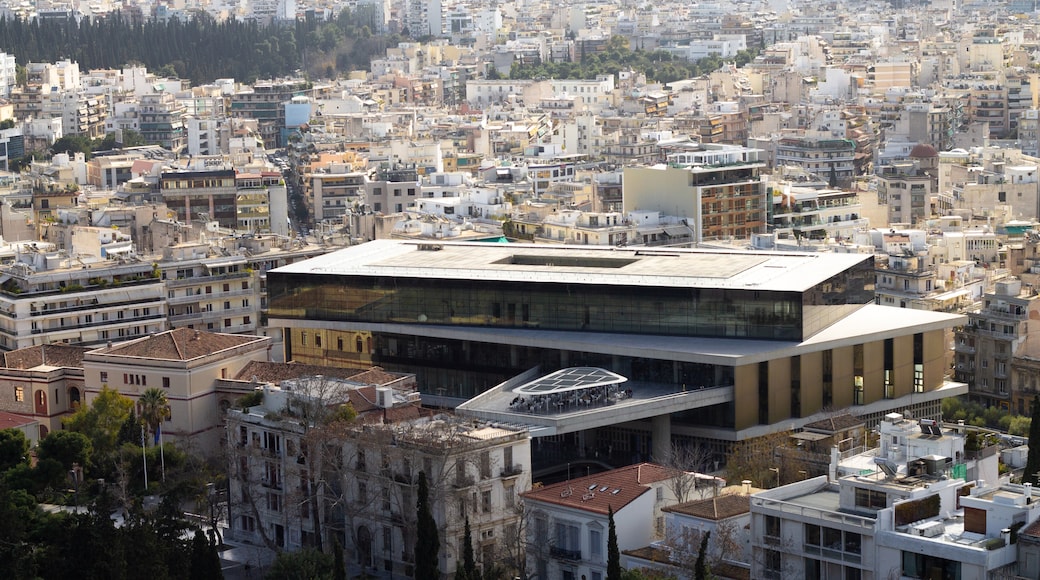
[(661, 435)]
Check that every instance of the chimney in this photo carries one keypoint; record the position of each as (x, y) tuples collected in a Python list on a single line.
[(747, 486), (1027, 490)]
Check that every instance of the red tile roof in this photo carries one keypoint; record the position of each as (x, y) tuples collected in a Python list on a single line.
[(55, 355), (588, 493), (714, 508), (272, 372), (181, 344), (13, 421)]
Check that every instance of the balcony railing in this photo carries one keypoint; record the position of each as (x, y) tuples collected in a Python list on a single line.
[(512, 470), (564, 554)]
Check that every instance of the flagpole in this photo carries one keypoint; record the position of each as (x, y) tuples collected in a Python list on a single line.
[(144, 457), (162, 454)]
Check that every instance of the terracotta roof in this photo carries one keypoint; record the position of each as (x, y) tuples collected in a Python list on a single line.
[(923, 151), (714, 508), (55, 355), (272, 372), (181, 344), (588, 493), (11, 421), (836, 423), (1032, 530)]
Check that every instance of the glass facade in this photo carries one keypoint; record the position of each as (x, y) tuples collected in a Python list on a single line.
[(664, 310), (457, 368)]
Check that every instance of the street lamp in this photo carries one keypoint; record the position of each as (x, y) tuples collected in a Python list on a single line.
[(777, 471), (75, 487)]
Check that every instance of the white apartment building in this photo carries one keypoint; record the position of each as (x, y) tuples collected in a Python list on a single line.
[(567, 532), (51, 297), (595, 95), (926, 504)]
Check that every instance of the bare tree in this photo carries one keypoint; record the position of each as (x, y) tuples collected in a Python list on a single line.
[(686, 462), (756, 460)]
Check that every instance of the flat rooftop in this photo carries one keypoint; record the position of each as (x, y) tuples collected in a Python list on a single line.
[(684, 268)]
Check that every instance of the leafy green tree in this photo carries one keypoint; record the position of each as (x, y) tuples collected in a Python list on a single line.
[(72, 144), (308, 564), (102, 421), (14, 448), (427, 542), (613, 554), (1033, 459), (132, 138), (154, 409), (67, 448)]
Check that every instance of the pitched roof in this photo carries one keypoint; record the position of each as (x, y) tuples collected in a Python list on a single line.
[(55, 355), (714, 508), (11, 420), (273, 372), (595, 493), (836, 423), (181, 344)]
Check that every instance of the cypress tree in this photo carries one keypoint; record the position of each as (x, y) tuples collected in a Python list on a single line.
[(427, 542), (339, 569), (700, 568), (613, 554), (467, 568), (1033, 459)]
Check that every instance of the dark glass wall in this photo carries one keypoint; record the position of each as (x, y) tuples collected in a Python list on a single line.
[(592, 308), (458, 368)]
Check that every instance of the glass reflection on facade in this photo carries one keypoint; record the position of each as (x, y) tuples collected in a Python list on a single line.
[(663, 310)]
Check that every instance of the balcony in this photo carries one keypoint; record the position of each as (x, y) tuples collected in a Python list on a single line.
[(512, 470), (564, 554)]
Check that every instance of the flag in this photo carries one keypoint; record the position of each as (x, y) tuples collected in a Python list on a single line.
[(158, 433)]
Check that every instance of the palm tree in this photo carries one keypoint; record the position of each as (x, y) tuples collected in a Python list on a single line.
[(154, 408)]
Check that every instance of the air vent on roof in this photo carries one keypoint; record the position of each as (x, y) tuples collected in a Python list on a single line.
[(616, 491), (604, 488), (593, 486)]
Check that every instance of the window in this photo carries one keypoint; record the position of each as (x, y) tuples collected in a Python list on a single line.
[(274, 502), (245, 285), (227, 287), (870, 498), (485, 465), (772, 564), (317, 340), (227, 323), (485, 501), (104, 376), (166, 382), (772, 526), (596, 545), (19, 394)]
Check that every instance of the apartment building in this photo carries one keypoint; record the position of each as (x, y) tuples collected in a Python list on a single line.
[(162, 120), (568, 522), (824, 156), (218, 294), (927, 504), (717, 188), (48, 297), (474, 473), (994, 335)]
